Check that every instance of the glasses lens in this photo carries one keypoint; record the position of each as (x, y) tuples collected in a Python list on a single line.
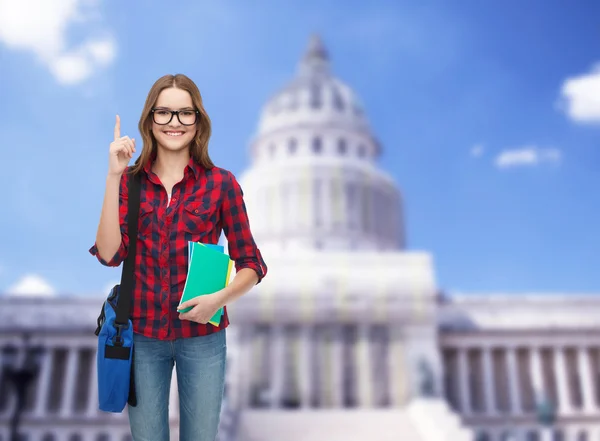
[(187, 117), (162, 116)]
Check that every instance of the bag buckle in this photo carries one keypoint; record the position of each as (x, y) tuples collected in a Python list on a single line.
[(118, 339)]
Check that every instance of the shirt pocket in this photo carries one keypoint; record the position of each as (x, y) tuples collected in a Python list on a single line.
[(198, 219), (147, 219)]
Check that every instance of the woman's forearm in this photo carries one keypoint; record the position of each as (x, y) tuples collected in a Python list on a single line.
[(243, 281), (108, 236)]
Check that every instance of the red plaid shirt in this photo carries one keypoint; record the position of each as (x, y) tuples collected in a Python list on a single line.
[(204, 203)]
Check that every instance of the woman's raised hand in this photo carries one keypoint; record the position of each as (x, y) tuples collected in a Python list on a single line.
[(120, 152)]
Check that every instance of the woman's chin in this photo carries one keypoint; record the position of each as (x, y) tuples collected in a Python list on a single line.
[(174, 144)]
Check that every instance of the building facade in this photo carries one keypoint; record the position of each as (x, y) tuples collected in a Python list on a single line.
[(349, 332)]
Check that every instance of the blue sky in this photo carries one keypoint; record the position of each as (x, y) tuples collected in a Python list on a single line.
[(488, 113)]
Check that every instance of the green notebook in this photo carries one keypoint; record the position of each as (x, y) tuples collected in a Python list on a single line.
[(209, 270)]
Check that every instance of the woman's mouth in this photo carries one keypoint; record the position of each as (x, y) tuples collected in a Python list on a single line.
[(173, 133)]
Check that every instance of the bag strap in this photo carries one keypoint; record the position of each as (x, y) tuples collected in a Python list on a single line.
[(126, 286)]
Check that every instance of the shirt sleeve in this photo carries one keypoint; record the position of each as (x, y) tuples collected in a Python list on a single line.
[(242, 248), (121, 253)]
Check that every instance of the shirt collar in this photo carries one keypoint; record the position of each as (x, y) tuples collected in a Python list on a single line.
[(192, 164)]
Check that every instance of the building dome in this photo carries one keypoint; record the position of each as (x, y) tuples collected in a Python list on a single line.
[(314, 96), (313, 182)]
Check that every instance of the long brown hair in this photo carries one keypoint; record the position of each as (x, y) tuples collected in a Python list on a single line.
[(198, 146)]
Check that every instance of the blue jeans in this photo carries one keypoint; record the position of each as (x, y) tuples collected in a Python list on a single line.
[(200, 367)]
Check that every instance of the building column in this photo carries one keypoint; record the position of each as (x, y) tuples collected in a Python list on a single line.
[(307, 188), (562, 384), (514, 386), (69, 382), (93, 403), (488, 380), (352, 205), (368, 207), (43, 389), (587, 382), (246, 364), (546, 434), (277, 364), (324, 202), (306, 365), (397, 372), (337, 366), (338, 203), (364, 367), (463, 382), (296, 211), (537, 375)]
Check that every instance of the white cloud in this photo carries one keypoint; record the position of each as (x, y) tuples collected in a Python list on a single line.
[(477, 150), (103, 51), (580, 97), (70, 68), (74, 67), (31, 285), (40, 27), (527, 156)]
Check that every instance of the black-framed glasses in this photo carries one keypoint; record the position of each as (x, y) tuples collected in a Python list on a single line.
[(186, 117)]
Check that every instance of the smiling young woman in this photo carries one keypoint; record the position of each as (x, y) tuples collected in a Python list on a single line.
[(184, 197)]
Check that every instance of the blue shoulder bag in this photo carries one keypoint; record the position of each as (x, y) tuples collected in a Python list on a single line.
[(116, 383)]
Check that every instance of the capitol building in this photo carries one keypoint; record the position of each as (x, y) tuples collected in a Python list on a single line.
[(349, 337)]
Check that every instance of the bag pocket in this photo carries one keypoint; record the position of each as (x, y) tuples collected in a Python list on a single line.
[(114, 363)]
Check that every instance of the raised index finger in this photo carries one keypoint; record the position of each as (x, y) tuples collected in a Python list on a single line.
[(118, 128)]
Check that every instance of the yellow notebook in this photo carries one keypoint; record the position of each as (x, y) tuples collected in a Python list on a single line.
[(209, 269)]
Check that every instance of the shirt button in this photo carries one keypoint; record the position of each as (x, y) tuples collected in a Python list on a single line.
[(174, 199)]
